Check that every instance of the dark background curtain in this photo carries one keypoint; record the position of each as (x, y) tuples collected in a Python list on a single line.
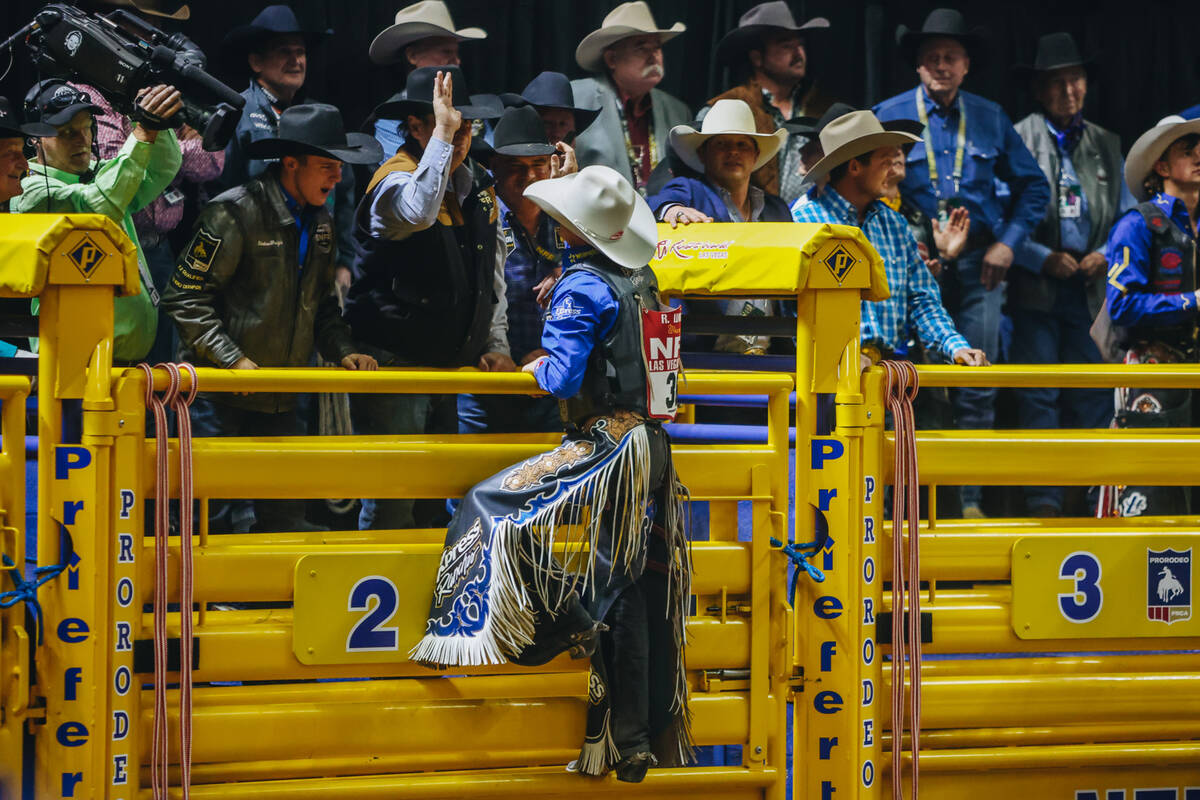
[(1145, 67)]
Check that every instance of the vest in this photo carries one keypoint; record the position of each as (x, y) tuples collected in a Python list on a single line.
[(428, 298), (1172, 270), (615, 377)]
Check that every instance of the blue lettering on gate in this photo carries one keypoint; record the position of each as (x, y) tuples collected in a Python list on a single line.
[(825, 747), (827, 702), (367, 635), (827, 607), (824, 496), (1083, 568), (73, 571), (71, 734), (869, 485), (67, 458), (127, 500), (73, 630), (827, 790), (826, 450), (72, 677), (828, 651), (827, 554), (69, 781)]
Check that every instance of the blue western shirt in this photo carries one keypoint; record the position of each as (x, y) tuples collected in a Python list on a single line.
[(996, 164), (1130, 303), (582, 312), (916, 302), (529, 260)]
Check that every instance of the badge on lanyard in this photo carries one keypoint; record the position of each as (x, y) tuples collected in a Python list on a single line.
[(1070, 199), (661, 334)]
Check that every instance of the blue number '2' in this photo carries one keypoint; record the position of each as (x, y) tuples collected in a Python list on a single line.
[(367, 634), (1084, 569)]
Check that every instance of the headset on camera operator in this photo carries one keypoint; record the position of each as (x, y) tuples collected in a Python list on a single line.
[(67, 177)]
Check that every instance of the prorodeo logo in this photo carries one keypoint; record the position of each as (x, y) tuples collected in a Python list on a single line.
[(1169, 585), (86, 256), (686, 249), (840, 262)]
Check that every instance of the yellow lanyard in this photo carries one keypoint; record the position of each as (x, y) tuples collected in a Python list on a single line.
[(959, 150)]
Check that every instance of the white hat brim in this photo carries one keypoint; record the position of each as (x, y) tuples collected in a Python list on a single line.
[(1148, 149), (857, 147), (388, 46), (686, 141), (590, 53), (636, 246)]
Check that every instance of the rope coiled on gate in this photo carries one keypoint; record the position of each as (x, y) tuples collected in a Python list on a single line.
[(899, 392), (180, 404)]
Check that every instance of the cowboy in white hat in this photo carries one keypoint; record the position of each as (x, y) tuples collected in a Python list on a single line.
[(1058, 288), (768, 53), (725, 152), (605, 337), (859, 158), (970, 147), (625, 57), (1152, 294)]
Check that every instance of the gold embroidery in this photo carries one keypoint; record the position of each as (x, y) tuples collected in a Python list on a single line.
[(532, 472)]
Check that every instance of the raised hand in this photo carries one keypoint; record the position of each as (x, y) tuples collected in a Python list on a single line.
[(952, 239), (446, 118)]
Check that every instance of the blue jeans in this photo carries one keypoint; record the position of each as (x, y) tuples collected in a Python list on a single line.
[(1060, 336), (977, 317), (503, 413), (389, 415), (269, 516)]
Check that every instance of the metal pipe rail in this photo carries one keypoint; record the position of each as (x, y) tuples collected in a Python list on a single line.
[(1063, 376)]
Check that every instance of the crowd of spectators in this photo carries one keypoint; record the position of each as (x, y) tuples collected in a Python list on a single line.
[(1034, 242)]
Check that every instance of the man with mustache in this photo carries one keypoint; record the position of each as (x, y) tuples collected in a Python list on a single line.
[(254, 288), (630, 135), (969, 143), (13, 163), (1152, 293), (770, 50), (65, 178), (274, 46)]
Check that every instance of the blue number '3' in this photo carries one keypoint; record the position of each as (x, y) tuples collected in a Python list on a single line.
[(367, 634), (1083, 568)]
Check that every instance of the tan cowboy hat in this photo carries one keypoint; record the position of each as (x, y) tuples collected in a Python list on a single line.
[(726, 117), (853, 135), (599, 205), (627, 19), (1149, 148), (419, 21)]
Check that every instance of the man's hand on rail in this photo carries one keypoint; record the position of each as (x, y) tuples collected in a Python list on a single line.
[(970, 357), (682, 215), (497, 362), (360, 361), (243, 363)]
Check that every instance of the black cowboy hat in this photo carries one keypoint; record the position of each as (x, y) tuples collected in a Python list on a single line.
[(772, 17), (316, 129), (553, 90), (418, 97), (278, 20), (1054, 51), (12, 127), (54, 102), (941, 23), (811, 126), (519, 133)]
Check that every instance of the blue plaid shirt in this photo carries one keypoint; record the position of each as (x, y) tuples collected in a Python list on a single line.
[(916, 301)]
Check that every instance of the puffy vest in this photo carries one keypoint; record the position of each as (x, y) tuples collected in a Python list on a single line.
[(1172, 270), (616, 376), (428, 298)]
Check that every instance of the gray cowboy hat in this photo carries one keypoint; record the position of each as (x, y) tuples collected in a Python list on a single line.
[(764, 18)]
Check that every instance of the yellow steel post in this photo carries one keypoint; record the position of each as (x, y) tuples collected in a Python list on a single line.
[(15, 656)]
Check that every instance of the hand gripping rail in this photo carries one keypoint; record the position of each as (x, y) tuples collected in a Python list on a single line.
[(899, 392), (179, 403)]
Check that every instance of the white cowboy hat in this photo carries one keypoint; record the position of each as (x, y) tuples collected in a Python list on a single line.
[(599, 205), (853, 135), (726, 117), (627, 19), (419, 21), (1150, 147)]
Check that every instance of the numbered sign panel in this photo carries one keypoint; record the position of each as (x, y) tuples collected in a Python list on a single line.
[(352, 608), (1104, 586)]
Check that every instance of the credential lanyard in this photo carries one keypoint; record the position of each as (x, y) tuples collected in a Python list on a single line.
[(960, 147)]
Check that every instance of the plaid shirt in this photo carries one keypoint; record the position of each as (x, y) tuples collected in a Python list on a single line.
[(916, 302), (199, 165)]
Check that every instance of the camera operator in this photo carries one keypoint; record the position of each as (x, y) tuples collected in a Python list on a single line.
[(67, 178)]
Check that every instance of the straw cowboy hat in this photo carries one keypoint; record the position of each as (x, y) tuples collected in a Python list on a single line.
[(764, 18), (1150, 147), (726, 117), (941, 23), (627, 19), (599, 205), (421, 20), (316, 128), (853, 135)]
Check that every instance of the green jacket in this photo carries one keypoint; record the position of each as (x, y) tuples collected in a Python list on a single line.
[(122, 186)]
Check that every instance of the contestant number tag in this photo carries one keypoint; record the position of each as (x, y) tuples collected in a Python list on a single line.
[(660, 345)]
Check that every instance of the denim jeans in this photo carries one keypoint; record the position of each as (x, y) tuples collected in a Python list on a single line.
[(502, 413), (217, 419), (389, 415), (976, 315), (1059, 336)]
